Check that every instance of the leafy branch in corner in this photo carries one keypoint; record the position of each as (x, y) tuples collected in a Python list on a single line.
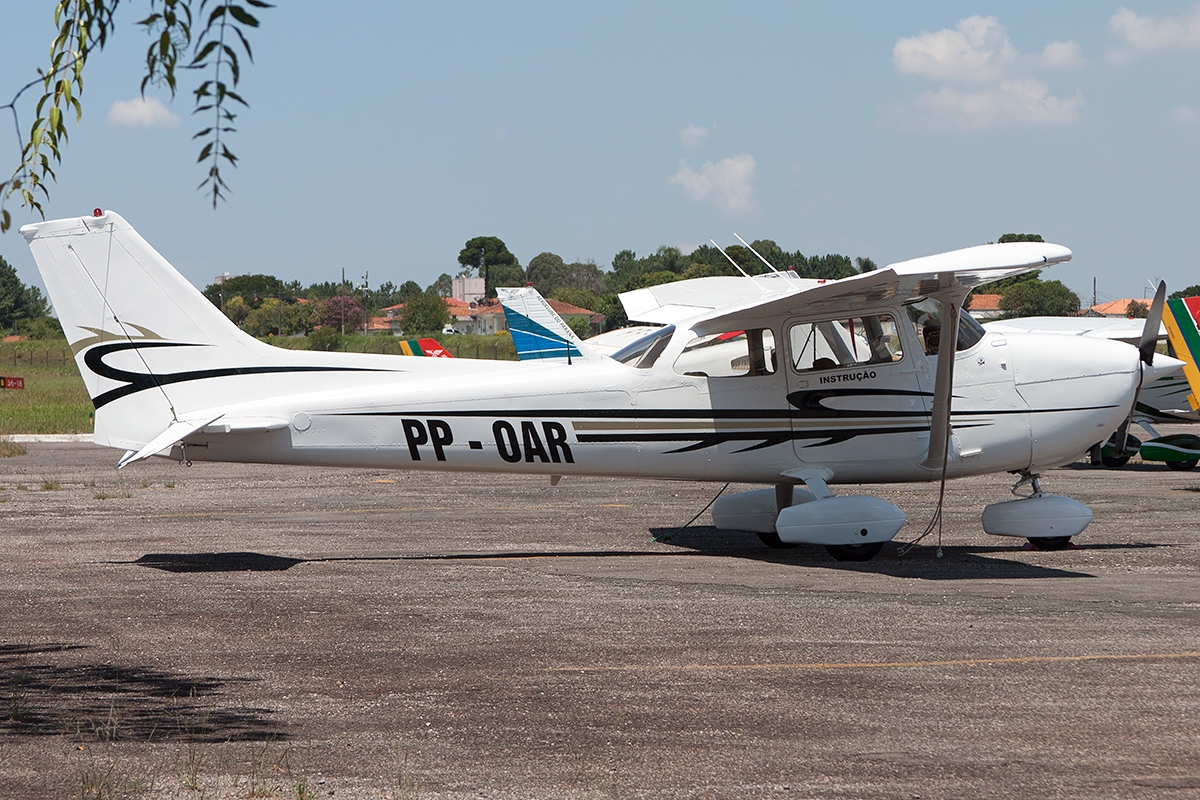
[(84, 26)]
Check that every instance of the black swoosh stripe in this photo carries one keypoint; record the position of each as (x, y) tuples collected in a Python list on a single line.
[(140, 381)]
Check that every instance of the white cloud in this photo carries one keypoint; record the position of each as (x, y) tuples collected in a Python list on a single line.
[(1186, 115), (1021, 102), (1149, 34), (693, 135), (986, 81), (976, 51), (1059, 55), (141, 112), (727, 184)]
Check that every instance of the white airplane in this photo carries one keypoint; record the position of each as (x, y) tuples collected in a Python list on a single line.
[(790, 382)]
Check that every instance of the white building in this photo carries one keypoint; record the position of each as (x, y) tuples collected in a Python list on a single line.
[(468, 290)]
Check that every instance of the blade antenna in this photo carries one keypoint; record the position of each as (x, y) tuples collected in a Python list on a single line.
[(760, 258), (736, 265)]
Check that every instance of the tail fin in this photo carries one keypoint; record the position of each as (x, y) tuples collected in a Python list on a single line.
[(537, 331), (1180, 317), (424, 347), (151, 348)]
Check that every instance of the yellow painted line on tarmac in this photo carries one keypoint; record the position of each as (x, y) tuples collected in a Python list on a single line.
[(957, 662)]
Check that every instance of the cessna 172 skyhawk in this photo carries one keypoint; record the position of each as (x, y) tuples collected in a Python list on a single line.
[(792, 382)]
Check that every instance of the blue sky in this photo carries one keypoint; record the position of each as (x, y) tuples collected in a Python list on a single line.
[(383, 135)]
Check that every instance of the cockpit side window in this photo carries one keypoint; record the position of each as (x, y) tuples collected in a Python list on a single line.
[(845, 342), (926, 317), (729, 354)]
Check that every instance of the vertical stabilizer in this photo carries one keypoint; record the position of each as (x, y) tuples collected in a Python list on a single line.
[(1180, 317), (150, 347), (537, 331)]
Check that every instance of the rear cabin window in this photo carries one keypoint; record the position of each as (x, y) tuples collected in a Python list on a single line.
[(848, 342), (729, 355)]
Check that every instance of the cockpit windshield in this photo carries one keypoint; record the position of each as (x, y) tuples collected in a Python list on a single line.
[(642, 353)]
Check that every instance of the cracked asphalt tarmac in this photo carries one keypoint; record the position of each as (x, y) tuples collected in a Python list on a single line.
[(252, 631)]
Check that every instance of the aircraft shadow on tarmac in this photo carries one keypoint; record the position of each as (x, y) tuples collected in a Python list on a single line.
[(111, 701), (959, 562)]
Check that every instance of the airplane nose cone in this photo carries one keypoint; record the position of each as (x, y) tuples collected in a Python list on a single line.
[(1079, 389), (1163, 365)]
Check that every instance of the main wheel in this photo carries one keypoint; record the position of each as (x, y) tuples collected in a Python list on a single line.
[(772, 540), (1049, 542), (1182, 466), (854, 552), (1114, 462)]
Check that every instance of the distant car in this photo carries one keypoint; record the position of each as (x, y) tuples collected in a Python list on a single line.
[(448, 328)]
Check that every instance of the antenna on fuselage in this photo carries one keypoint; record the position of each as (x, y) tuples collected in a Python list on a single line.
[(760, 258), (736, 265)]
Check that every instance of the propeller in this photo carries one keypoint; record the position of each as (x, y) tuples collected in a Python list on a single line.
[(1146, 347)]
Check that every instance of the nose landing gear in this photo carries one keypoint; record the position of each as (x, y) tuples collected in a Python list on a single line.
[(1048, 521)]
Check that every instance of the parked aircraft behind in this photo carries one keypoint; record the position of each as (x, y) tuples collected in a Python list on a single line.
[(1170, 398), (799, 385)]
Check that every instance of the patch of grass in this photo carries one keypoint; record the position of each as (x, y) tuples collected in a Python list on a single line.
[(9, 448), (54, 399), (50, 485), (405, 782)]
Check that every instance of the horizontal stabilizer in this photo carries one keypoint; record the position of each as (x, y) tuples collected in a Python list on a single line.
[(172, 435)]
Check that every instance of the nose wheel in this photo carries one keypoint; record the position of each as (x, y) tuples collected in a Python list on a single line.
[(1050, 542)]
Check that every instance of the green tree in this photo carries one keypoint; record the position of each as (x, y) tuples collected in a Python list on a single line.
[(271, 318), (865, 265), (18, 301), (1137, 310), (236, 309), (443, 286), (1191, 291), (829, 267), (1002, 285), (483, 255), (252, 288), (578, 297), (184, 34), (647, 279), (507, 275), (407, 290), (546, 271), (1039, 299), (1020, 237), (425, 313)]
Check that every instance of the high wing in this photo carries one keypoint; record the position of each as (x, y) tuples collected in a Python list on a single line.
[(946, 278)]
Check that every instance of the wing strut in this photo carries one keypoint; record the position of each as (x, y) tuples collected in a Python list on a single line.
[(950, 295)]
